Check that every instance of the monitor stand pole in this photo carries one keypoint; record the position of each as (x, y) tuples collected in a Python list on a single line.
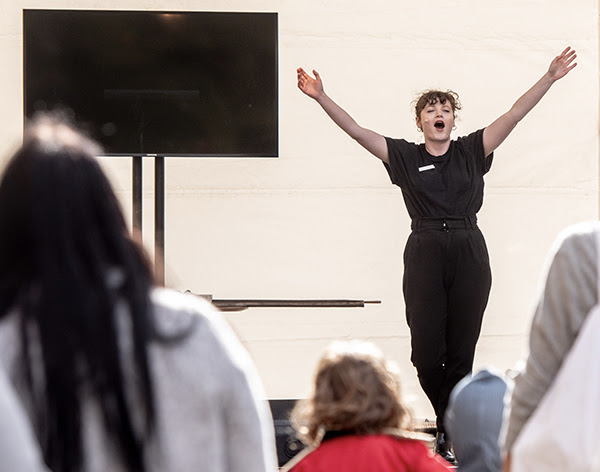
[(159, 210), (159, 219)]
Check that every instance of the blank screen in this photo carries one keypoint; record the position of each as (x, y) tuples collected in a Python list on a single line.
[(166, 83)]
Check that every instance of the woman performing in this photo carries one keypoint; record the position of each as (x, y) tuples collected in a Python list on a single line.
[(447, 275)]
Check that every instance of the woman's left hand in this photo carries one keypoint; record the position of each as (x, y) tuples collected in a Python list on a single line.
[(562, 65)]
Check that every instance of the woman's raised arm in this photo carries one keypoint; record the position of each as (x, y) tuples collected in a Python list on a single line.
[(370, 140), (499, 130)]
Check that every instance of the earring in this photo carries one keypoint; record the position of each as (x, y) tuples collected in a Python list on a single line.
[(454, 128)]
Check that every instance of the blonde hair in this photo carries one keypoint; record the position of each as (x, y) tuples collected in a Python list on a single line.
[(356, 389)]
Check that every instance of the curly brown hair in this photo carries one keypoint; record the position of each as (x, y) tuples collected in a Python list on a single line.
[(356, 389), (431, 97)]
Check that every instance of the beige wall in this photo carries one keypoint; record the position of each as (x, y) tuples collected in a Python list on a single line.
[(322, 220)]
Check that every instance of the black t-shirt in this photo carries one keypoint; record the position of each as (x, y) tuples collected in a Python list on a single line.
[(439, 186)]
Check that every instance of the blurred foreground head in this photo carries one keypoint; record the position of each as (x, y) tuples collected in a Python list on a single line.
[(57, 208), (67, 260)]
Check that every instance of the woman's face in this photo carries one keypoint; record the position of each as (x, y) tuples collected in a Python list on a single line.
[(436, 121)]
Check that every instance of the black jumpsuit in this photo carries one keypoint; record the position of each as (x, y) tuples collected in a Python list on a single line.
[(447, 276)]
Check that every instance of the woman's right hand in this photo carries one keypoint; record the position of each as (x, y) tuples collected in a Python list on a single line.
[(311, 87), (371, 141)]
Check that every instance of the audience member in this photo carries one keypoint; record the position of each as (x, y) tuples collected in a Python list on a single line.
[(114, 373), (568, 295), (474, 420), (355, 419)]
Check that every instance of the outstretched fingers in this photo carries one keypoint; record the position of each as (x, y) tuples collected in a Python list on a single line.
[(301, 72), (303, 78), (568, 56), (563, 63), (309, 85), (567, 52)]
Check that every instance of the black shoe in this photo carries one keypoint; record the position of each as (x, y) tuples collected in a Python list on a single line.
[(443, 447)]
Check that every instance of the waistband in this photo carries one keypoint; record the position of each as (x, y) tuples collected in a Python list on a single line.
[(445, 223)]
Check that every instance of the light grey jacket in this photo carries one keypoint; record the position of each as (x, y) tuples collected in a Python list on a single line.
[(212, 413), (19, 451), (566, 298)]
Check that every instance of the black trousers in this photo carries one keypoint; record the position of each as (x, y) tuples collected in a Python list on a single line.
[(447, 281)]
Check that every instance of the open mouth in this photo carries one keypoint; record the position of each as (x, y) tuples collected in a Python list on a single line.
[(439, 125)]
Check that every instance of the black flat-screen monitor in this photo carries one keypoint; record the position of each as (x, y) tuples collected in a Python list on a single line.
[(156, 82)]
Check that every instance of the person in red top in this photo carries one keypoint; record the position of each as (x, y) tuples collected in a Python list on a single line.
[(355, 420)]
